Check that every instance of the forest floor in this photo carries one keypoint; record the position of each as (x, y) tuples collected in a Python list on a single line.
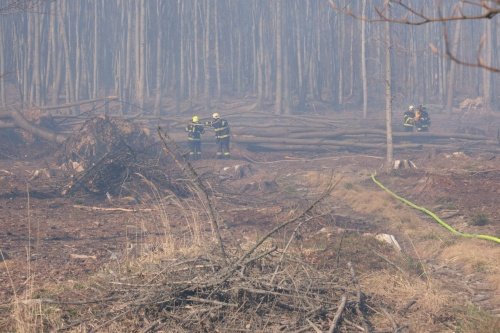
[(436, 282)]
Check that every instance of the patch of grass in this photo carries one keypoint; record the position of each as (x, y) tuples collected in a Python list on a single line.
[(414, 266), (480, 267), (473, 319), (348, 186), (430, 236), (479, 220)]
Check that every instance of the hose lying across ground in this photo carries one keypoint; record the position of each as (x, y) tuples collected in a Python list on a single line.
[(434, 216)]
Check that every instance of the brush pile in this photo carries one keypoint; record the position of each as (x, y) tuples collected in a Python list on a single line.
[(106, 154), (269, 291)]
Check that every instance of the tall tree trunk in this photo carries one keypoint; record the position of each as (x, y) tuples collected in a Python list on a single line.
[(363, 61), (278, 104), (181, 92), (260, 63), (67, 57), (341, 36), (196, 57), (51, 50), (36, 60), (217, 51), (450, 91), (3, 101), (388, 92), (207, 57), (141, 79), (159, 62), (95, 61), (488, 51)]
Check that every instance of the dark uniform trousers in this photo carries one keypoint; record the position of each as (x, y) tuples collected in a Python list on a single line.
[(194, 140), (221, 127)]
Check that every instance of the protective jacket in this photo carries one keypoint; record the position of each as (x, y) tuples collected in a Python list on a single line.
[(221, 128), (424, 122), (195, 130), (408, 120)]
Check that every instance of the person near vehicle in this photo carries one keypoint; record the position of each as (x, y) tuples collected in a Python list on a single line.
[(195, 129), (222, 137), (422, 119), (409, 119)]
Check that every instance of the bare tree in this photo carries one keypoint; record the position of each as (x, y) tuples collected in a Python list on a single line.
[(464, 10), (388, 89)]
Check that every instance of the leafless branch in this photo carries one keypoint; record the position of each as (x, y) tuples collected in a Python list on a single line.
[(489, 10), (480, 63), (416, 17), (16, 6)]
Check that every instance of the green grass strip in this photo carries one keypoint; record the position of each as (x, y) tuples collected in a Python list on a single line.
[(434, 216)]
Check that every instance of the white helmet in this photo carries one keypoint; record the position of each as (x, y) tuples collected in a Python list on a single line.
[(411, 108), (216, 115)]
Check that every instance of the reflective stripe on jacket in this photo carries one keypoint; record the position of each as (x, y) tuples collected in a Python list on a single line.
[(221, 128), (195, 130)]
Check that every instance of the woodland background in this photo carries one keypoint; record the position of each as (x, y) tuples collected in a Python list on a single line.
[(287, 56)]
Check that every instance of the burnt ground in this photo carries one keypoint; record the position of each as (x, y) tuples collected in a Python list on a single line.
[(49, 239)]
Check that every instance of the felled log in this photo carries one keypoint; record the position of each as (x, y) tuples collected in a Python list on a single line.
[(318, 143), (70, 105), (21, 122)]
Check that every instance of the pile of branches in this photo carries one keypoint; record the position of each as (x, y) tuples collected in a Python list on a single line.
[(269, 291), (106, 153)]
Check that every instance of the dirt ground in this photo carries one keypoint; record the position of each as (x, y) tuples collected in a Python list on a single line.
[(48, 239)]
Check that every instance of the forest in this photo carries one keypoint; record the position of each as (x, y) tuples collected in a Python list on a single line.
[(284, 55), (243, 166)]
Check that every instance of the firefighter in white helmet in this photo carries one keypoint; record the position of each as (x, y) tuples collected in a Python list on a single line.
[(222, 135), (409, 119)]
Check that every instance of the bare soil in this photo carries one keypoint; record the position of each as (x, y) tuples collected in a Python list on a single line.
[(49, 239)]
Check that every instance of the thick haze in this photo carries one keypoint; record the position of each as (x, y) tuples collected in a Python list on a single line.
[(282, 54)]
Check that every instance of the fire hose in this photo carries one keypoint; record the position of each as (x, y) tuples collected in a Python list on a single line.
[(434, 216)]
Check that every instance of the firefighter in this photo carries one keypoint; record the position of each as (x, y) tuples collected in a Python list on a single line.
[(409, 119), (221, 128), (195, 129), (422, 119)]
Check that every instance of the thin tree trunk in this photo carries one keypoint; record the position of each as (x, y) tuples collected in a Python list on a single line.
[(278, 105), (196, 53), (207, 56), (453, 65), (141, 79), (217, 51), (95, 72), (363, 61), (3, 101), (487, 76), (388, 92), (159, 62), (67, 57), (36, 60), (260, 64), (182, 66)]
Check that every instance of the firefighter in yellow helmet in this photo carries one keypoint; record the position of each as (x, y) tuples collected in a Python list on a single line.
[(195, 129), (222, 137)]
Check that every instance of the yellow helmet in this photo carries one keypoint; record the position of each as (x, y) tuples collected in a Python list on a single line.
[(196, 119), (216, 115)]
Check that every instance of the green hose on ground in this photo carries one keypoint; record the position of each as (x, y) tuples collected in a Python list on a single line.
[(434, 216)]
